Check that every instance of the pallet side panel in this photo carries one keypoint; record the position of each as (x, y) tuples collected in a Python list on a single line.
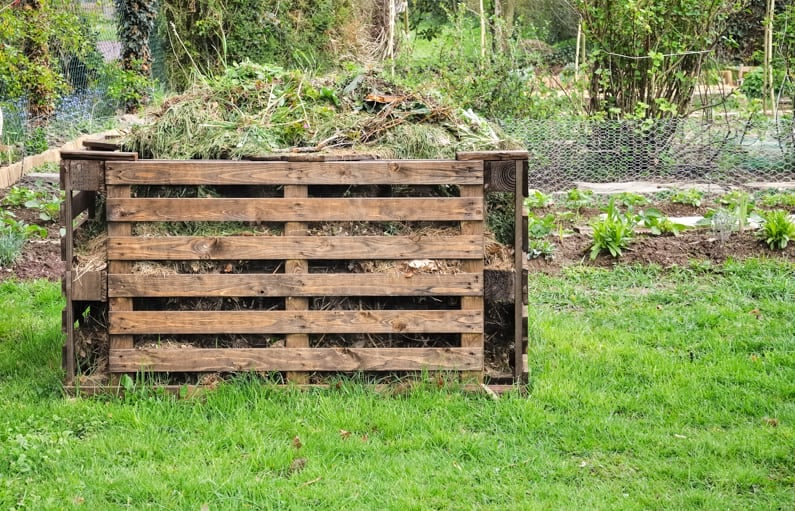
[(288, 303)]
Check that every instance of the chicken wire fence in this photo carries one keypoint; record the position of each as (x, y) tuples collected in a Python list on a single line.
[(729, 151)]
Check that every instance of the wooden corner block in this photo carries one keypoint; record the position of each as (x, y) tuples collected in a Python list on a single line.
[(499, 175), (85, 175)]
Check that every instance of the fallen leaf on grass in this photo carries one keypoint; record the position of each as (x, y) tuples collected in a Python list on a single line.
[(297, 442), (344, 434), (297, 465), (772, 422)]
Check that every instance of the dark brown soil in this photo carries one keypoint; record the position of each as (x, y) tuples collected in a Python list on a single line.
[(40, 258)]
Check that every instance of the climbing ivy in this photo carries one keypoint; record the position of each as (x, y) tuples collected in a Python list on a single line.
[(135, 20)]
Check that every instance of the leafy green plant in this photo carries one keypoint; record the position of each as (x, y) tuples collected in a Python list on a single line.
[(785, 199), (18, 195), (690, 197), (777, 230), (538, 199), (613, 233), (539, 227), (10, 224), (541, 248), (658, 223), (36, 142), (631, 199), (49, 209), (577, 199)]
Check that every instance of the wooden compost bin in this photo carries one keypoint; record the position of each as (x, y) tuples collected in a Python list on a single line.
[(287, 284)]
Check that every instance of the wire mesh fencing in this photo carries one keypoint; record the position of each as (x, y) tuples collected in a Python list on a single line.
[(726, 151)]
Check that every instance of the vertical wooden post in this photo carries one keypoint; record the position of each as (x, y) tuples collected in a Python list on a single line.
[(296, 266), (473, 340), (68, 254), (119, 304), (520, 277)]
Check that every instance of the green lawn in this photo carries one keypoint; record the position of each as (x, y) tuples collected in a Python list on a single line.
[(650, 389)]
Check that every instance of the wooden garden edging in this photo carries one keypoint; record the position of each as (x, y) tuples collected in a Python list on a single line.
[(87, 175)]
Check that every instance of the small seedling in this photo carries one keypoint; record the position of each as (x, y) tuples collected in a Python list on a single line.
[(777, 200), (658, 223), (539, 227), (538, 199), (613, 233), (777, 229), (722, 221), (631, 199), (541, 248), (691, 197), (577, 199)]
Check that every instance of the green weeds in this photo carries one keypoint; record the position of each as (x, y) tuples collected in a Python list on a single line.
[(777, 229), (613, 233), (690, 197)]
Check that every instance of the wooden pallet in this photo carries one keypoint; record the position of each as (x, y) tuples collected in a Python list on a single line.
[(117, 175)]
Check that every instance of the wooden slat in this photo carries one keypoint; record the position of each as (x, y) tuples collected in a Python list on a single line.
[(296, 359), (131, 248), (81, 201), (280, 285), (405, 172), (293, 210), (100, 145), (492, 155), (294, 322), (98, 155)]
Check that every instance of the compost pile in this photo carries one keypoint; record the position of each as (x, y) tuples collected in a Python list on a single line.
[(263, 112), (255, 110)]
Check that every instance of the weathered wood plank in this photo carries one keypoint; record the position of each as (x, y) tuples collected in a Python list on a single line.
[(296, 359), (88, 175), (492, 155), (81, 201), (98, 155), (100, 145), (294, 322), (293, 210), (305, 284), (131, 248), (408, 172), (89, 286)]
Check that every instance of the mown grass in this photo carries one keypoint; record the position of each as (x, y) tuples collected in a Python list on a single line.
[(650, 389)]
